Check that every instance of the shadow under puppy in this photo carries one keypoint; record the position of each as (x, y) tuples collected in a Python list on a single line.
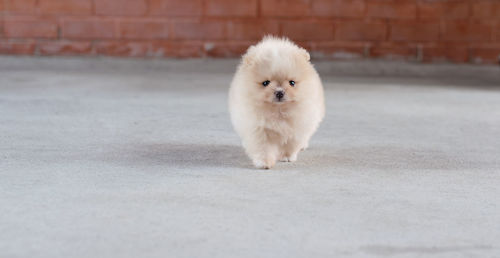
[(276, 101)]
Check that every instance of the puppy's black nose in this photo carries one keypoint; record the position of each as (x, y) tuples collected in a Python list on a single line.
[(279, 94)]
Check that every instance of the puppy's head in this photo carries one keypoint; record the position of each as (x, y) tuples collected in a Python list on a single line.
[(277, 71)]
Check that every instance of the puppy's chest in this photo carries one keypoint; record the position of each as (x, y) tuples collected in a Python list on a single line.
[(280, 122)]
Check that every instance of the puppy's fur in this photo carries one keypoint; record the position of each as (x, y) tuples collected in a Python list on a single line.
[(275, 126)]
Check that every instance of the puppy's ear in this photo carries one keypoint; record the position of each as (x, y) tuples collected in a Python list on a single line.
[(304, 53), (249, 56)]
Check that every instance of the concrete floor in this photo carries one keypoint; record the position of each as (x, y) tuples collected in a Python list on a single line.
[(137, 158)]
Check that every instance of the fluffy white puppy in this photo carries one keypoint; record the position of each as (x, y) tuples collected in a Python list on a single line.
[(276, 101)]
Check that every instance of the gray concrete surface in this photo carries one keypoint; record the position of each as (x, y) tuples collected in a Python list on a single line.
[(137, 158)]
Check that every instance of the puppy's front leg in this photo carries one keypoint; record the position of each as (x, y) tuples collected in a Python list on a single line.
[(291, 150), (262, 152), (265, 157)]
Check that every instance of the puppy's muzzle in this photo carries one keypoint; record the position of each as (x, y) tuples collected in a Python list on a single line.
[(280, 95)]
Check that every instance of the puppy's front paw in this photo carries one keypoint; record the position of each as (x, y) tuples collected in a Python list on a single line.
[(284, 159), (293, 157), (290, 158), (262, 164)]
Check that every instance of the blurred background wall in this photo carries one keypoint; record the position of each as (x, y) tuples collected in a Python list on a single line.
[(414, 30)]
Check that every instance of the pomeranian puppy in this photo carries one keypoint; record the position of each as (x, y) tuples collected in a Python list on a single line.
[(276, 101)]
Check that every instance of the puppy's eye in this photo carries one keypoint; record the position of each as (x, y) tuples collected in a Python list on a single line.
[(265, 83), (292, 83)]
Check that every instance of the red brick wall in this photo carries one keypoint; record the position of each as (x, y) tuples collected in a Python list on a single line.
[(421, 30)]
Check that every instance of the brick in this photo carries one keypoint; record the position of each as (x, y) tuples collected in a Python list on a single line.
[(338, 8), (20, 6), (391, 9), (483, 9), (9, 47), (176, 7), (176, 49), (75, 7), (88, 29), (415, 31), (64, 48), (251, 29), (497, 32), (307, 44), (338, 50), (285, 8), (199, 30), (144, 30), (431, 9), (231, 7), (297, 30), (361, 31), (445, 30), (123, 48), (119, 7), (454, 53), (226, 49), (29, 28), (467, 31), (485, 54), (394, 52)]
